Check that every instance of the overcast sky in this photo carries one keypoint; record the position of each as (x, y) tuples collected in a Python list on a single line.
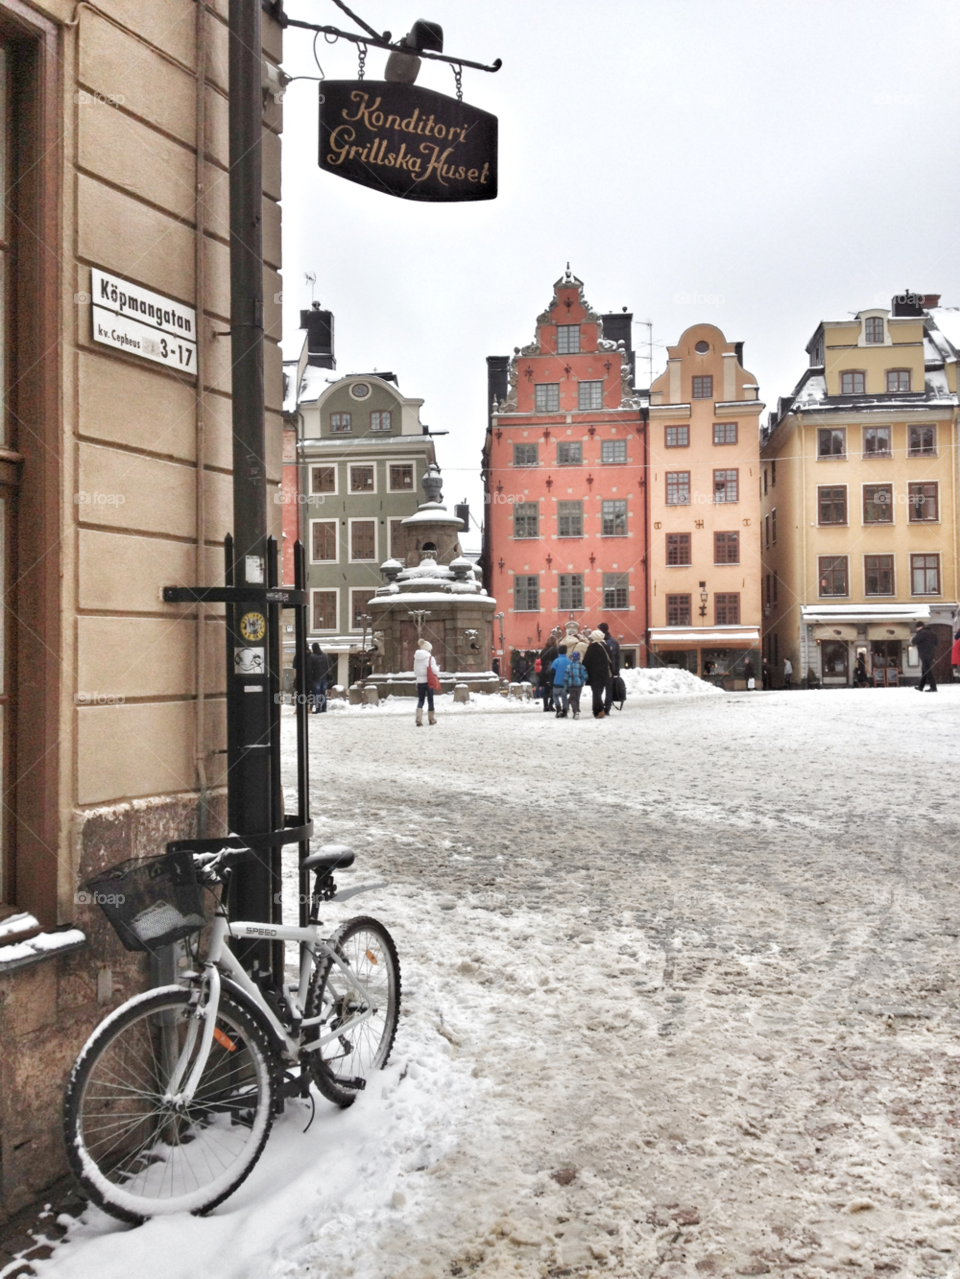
[(758, 164)]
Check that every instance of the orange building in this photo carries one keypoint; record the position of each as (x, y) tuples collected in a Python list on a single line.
[(704, 502), (565, 526)]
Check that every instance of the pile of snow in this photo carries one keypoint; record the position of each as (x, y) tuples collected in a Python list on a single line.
[(665, 681)]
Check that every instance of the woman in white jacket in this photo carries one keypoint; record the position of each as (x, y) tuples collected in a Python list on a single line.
[(422, 662)]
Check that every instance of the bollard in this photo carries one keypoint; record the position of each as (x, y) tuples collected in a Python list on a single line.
[(370, 696), (461, 693), (355, 694), (514, 690), (527, 689)]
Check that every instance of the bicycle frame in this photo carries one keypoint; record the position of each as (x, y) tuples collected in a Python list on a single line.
[(221, 959)]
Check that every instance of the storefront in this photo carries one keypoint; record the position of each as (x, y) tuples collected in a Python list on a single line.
[(725, 655), (835, 637)]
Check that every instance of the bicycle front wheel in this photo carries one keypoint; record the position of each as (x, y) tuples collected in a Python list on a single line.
[(359, 1009), (140, 1151)]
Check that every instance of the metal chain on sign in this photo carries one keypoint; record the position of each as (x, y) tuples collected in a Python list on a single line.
[(458, 77), (362, 55)]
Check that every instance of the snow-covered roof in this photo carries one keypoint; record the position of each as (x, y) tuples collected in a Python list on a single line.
[(947, 320)]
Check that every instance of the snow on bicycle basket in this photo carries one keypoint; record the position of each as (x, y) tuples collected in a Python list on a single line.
[(152, 902)]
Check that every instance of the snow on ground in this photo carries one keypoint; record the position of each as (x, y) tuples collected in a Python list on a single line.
[(679, 1000)]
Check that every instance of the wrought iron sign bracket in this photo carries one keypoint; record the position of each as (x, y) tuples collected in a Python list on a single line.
[(234, 595)]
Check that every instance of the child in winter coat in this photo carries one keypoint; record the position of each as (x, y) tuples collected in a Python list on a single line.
[(574, 678), (559, 668)]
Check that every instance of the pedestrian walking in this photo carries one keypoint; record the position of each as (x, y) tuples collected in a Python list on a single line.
[(599, 674), (574, 679), (766, 674), (925, 642), (861, 672), (559, 668), (318, 672), (613, 650), (426, 672), (787, 673), (750, 675), (545, 675)]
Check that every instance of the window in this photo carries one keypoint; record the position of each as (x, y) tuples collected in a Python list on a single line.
[(776, 582), (401, 477), (677, 437), (832, 572), (571, 591), (876, 441), (766, 526), (323, 479), (773, 473), (878, 575), (831, 442), (726, 608), (852, 382), (878, 503), (323, 541), (769, 589), (340, 422), (703, 388), (358, 607), (380, 420), (922, 441), (570, 519), (678, 488), (925, 574), (526, 593), (764, 492), (832, 504), (873, 329), (568, 339), (616, 590), (526, 519), (397, 540), (898, 380), (525, 455), (773, 524), (362, 479), (589, 395), (678, 549), (678, 610), (614, 515), (613, 452), (724, 432), (324, 611), (363, 540), (725, 486), (923, 502), (547, 397), (726, 548), (570, 453)]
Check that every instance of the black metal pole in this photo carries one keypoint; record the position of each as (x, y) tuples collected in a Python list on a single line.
[(303, 744), (249, 755)]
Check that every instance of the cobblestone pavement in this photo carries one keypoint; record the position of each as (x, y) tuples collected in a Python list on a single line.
[(706, 955)]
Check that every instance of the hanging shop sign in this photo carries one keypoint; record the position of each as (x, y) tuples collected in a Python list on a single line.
[(407, 141), (141, 322)]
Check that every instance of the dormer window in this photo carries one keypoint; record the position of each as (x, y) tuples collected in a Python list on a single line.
[(568, 339), (816, 354), (873, 330)]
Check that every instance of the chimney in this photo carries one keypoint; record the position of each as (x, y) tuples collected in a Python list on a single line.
[(908, 303), (618, 327), (319, 326), (497, 381)]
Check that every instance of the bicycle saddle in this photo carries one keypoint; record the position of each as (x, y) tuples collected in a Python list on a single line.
[(330, 857)]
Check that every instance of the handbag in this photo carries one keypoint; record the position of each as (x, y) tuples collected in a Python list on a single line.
[(751, 683), (433, 679)]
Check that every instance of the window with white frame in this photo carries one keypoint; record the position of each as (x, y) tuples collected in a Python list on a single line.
[(363, 478), (873, 330), (400, 476), (323, 610), (323, 479), (323, 541), (925, 574), (363, 541)]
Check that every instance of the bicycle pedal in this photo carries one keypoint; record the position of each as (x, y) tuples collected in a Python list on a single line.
[(357, 1084)]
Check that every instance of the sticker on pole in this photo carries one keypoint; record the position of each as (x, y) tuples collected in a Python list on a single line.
[(407, 141), (249, 661)]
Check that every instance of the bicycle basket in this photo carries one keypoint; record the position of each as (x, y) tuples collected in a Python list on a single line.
[(153, 902)]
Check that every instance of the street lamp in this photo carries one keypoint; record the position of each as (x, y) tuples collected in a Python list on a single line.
[(703, 599)]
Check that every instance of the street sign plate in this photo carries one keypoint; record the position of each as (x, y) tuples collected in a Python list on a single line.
[(143, 323), (407, 141)]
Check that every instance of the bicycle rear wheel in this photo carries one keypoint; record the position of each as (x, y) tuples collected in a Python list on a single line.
[(140, 1154), (364, 1033)]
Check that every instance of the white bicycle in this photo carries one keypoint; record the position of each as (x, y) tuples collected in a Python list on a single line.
[(171, 1101)]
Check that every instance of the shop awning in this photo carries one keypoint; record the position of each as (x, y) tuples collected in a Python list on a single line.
[(836, 630), (888, 631), (673, 637)]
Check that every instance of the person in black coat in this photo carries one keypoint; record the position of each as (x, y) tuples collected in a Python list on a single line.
[(613, 651), (925, 642), (545, 678), (318, 673), (596, 661)]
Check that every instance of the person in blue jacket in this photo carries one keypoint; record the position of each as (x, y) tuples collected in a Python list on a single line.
[(574, 679), (559, 668)]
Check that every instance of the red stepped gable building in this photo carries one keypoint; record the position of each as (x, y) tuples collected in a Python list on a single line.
[(564, 466)]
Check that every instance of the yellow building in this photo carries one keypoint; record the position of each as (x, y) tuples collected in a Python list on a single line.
[(860, 499), (703, 553)]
